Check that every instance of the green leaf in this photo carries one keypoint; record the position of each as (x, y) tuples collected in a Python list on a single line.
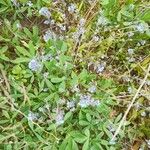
[(23, 51), (31, 125), (5, 113), (88, 117), (3, 2), (57, 80), (62, 87), (63, 144), (28, 33), (68, 115), (50, 97), (51, 127), (104, 142), (83, 123), (69, 145), (3, 57), (16, 69), (118, 118), (74, 80), (78, 137), (86, 145), (3, 49), (108, 133), (31, 48), (21, 60), (3, 9), (64, 46), (97, 146), (83, 75), (49, 84), (87, 132), (145, 16), (35, 31), (74, 145), (104, 2)]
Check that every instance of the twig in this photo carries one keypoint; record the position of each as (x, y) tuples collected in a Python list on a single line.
[(77, 44), (5, 79), (131, 104), (26, 98)]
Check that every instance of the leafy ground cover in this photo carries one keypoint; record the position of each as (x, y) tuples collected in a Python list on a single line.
[(74, 75)]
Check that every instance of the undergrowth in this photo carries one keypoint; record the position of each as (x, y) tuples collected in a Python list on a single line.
[(68, 72)]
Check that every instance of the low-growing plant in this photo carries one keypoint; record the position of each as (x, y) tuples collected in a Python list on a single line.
[(74, 75)]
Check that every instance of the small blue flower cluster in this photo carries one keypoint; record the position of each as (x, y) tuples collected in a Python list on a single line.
[(59, 117), (35, 65), (87, 100)]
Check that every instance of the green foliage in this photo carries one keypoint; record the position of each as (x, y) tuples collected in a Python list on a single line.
[(66, 81)]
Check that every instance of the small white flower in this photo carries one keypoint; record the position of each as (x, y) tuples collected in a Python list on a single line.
[(32, 116), (49, 35), (1, 80), (72, 8), (126, 78), (112, 142), (47, 106), (94, 102), (148, 82), (64, 16), (130, 34), (86, 100), (35, 65), (131, 7), (62, 27), (72, 109), (47, 22), (47, 57), (92, 89), (45, 89), (100, 68), (80, 31), (131, 59), (29, 3), (18, 25), (130, 89), (59, 117), (148, 143), (141, 27), (130, 51), (142, 42), (103, 21), (143, 114), (45, 75), (52, 22), (75, 89), (95, 38), (82, 22), (62, 101), (15, 3), (41, 109), (137, 105), (45, 12), (138, 44), (111, 127), (70, 104)]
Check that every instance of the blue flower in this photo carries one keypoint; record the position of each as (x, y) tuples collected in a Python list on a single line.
[(45, 12), (35, 65), (59, 117)]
